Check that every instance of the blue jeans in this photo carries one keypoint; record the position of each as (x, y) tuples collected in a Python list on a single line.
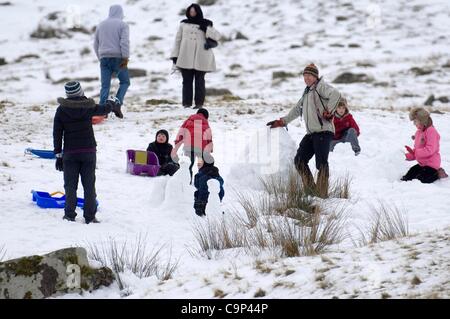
[(108, 66), (349, 136)]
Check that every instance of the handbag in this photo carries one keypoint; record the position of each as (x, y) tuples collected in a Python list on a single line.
[(210, 43)]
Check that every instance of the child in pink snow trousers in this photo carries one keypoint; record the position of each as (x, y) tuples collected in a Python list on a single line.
[(426, 149)]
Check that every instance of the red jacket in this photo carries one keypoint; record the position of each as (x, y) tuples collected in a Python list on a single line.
[(195, 133), (341, 124)]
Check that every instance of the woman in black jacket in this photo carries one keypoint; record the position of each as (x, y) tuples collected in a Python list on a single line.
[(162, 148)]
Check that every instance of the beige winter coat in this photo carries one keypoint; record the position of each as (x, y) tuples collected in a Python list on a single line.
[(189, 48), (310, 107)]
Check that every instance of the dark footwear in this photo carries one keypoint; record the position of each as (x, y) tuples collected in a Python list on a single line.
[(93, 221), (198, 107), (70, 219), (186, 106)]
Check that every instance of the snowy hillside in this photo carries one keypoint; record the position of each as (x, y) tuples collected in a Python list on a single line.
[(400, 48)]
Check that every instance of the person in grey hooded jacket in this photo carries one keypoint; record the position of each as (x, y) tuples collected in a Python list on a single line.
[(112, 47), (317, 106)]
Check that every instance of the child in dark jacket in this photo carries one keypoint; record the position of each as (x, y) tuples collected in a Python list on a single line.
[(206, 171), (162, 148), (346, 129)]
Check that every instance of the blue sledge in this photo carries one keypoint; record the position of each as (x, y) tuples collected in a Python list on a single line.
[(40, 153), (47, 200)]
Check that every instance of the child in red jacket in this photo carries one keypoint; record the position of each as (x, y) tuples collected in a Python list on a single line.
[(196, 136), (346, 129)]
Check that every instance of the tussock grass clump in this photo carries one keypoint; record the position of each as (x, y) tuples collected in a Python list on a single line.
[(133, 257), (385, 223)]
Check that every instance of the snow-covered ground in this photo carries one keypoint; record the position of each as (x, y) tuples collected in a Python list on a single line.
[(393, 37)]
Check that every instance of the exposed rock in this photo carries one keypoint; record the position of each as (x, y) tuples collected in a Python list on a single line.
[(354, 45), (232, 75), (336, 45), (59, 272), (446, 65), (381, 84), (240, 36), (80, 29), (159, 101), (365, 64), (48, 33), (80, 79), (157, 19), (283, 75), (135, 73), (295, 46), (341, 18), (85, 51), (217, 92), (348, 77), (235, 66), (206, 2), (230, 98), (421, 71), (430, 100), (4, 4), (443, 99), (154, 38), (3, 61), (26, 56)]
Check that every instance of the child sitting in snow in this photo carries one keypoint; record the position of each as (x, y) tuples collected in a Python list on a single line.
[(346, 129), (162, 148), (206, 171), (425, 151)]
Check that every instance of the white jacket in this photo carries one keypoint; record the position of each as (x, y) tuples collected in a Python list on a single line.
[(189, 48)]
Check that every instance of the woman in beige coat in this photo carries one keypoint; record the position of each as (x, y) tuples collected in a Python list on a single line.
[(192, 56)]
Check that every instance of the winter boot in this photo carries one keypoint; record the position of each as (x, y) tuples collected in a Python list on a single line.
[(200, 208)]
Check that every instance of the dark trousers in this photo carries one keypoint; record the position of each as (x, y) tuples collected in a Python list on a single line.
[(189, 76), (76, 165), (425, 174), (318, 145), (168, 169)]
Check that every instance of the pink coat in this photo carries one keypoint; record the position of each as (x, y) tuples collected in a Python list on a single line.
[(426, 148)]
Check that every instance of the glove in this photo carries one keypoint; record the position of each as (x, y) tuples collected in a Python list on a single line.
[(409, 149), (276, 123), (59, 163), (327, 115), (409, 157), (174, 60), (124, 63)]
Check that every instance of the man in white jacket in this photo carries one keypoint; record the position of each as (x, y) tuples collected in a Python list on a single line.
[(112, 47)]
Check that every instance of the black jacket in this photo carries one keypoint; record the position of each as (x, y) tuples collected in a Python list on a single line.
[(73, 122), (162, 150)]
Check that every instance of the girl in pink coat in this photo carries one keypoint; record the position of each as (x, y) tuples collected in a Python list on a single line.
[(426, 149)]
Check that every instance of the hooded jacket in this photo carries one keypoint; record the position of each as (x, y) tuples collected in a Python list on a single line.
[(189, 47), (311, 108), (162, 150), (195, 133), (73, 123), (426, 148), (112, 38)]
